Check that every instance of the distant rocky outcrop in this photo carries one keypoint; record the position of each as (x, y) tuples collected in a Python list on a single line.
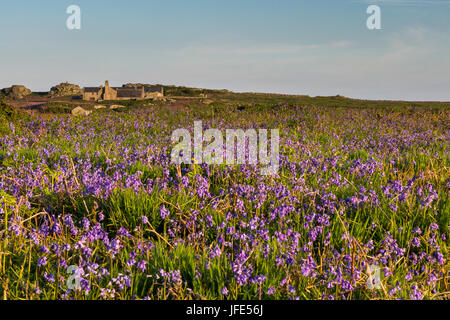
[(99, 106), (65, 89), (16, 92), (79, 111)]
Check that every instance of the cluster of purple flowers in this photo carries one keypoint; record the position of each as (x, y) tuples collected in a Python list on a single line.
[(102, 195)]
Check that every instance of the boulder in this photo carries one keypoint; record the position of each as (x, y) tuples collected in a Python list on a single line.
[(16, 92), (116, 106), (79, 111), (65, 89), (99, 106)]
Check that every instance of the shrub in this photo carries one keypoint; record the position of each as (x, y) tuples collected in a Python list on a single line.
[(10, 117)]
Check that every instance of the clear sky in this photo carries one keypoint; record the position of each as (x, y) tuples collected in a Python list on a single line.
[(314, 47)]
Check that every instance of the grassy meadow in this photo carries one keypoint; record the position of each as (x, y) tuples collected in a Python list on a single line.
[(92, 208)]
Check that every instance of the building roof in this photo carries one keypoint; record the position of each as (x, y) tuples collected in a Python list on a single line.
[(128, 92), (91, 89), (153, 89)]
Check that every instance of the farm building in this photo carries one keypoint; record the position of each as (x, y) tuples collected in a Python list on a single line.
[(122, 93)]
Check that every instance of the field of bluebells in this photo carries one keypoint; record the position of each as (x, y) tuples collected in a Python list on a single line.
[(357, 187)]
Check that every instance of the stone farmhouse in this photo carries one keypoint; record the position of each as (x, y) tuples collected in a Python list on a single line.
[(122, 93)]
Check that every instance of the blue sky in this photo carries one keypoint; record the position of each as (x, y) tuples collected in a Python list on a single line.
[(315, 47)]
